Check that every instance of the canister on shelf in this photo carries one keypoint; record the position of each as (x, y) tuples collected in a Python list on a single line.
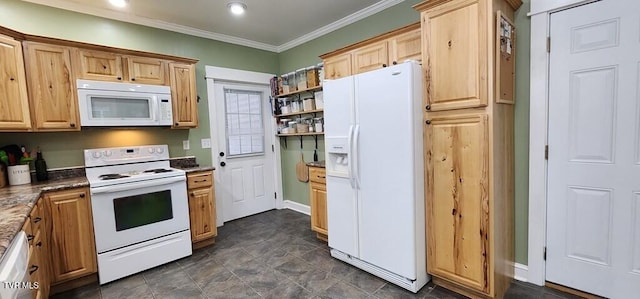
[(285, 83), (318, 124), (296, 105), (308, 104), (293, 126), (312, 76), (319, 99), (292, 82), (285, 105), (301, 78)]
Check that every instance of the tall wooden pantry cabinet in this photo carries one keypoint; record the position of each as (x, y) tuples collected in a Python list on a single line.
[(468, 55)]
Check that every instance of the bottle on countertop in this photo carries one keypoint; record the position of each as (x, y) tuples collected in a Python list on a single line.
[(41, 167)]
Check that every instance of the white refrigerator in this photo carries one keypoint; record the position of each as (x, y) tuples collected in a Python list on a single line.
[(375, 180)]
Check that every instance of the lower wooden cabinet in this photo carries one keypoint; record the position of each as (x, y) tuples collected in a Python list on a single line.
[(73, 248), (39, 270), (202, 207), (318, 198)]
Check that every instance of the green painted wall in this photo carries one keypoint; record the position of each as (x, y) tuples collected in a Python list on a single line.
[(65, 149), (521, 123)]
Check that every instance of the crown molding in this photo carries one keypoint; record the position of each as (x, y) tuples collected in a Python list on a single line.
[(119, 16), (350, 19)]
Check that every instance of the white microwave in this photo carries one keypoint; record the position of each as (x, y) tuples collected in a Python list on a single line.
[(109, 104)]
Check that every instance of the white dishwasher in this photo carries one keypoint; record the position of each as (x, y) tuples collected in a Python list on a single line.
[(14, 269)]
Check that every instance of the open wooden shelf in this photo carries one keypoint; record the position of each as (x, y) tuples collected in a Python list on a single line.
[(300, 134), (299, 91), (300, 113)]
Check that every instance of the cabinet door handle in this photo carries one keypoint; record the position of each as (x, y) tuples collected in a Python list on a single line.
[(30, 237), (33, 269), (39, 244), (384, 65), (82, 195), (119, 78), (321, 177), (428, 122), (395, 62), (428, 107), (37, 219), (199, 181), (133, 79), (72, 125), (193, 194)]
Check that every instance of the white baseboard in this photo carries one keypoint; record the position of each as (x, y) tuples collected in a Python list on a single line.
[(298, 207), (521, 272)]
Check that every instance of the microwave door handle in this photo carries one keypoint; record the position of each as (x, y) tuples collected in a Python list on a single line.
[(154, 104), (137, 185)]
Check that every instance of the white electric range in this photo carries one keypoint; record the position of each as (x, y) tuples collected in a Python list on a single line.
[(140, 209)]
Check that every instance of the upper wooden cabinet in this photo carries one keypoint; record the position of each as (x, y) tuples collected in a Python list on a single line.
[(381, 51), (14, 102), (370, 57), (52, 90), (109, 66), (337, 66), (455, 47), (406, 46), (183, 95)]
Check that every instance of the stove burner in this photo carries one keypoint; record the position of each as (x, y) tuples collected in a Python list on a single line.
[(158, 170), (112, 176)]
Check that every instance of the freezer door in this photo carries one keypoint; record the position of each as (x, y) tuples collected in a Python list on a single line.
[(389, 168), (338, 107), (342, 215)]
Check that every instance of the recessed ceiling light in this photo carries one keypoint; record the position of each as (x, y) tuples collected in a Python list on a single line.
[(237, 8), (119, 3)]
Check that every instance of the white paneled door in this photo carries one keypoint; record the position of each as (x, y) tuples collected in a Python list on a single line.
[(593, 206), (245, 161)]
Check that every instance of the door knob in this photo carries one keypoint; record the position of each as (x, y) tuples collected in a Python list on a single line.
[(221, 154), (223, 164)]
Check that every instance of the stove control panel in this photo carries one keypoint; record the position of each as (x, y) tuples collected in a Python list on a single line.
[(129, 154)]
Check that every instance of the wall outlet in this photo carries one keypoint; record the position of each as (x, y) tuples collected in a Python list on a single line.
[(185, 145), (206, 142)]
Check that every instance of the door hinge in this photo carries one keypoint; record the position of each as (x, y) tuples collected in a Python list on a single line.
[(546, 152), (273, 148), (275, 195), (548, 44), (544, 253)]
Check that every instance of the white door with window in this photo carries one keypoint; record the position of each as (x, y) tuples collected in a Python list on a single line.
[(245, 162), (593, 204)]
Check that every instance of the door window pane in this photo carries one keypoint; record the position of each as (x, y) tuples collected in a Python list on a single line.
[(244, 122)]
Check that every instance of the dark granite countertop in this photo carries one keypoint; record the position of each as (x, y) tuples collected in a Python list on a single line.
[(316, 164), (16, 203), (196, 168)]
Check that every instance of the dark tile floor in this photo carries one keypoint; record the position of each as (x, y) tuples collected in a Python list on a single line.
[(269, 255)]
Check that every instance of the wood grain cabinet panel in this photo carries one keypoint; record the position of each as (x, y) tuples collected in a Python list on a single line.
[(406, 46), (371, 57), (183, 95), (14, 102), (457, 189), (52, 90), (147, 70), (318, 200), (202, 206), (455, 46), (99, 65), (337, 66), (73, 249)]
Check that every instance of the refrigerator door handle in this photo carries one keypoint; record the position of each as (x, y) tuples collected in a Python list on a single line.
[(356, 150), (350, 157)]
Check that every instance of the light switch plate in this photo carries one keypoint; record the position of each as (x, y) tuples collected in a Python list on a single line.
[(206, 142), (185, 144)]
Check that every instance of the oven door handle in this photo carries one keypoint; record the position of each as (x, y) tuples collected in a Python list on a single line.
[(137, 185)]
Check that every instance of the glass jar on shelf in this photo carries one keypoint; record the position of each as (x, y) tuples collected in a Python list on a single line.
[(285, 83), (312, 76), (301, 78), (285, 105), (296, 105), (318, 124)]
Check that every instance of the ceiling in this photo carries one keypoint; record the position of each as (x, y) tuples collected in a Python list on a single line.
[(273, 25)]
